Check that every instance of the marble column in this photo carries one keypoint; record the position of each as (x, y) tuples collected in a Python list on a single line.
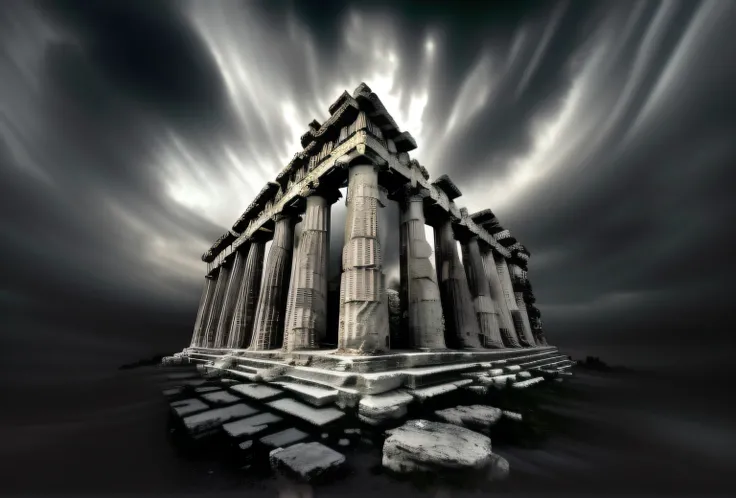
[(420, 294), (480, 289), (505, 322), (508, 293), (231, 298), (213, 319), (363, 322), (205, 303), (529, 337), (241, 327), (268, 330), (306, 316), (461, 325)]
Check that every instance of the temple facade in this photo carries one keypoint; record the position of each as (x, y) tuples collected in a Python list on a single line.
[(277, 301)]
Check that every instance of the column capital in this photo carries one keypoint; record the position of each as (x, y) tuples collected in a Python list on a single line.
[(329, 192), (409, 192), (286, 215)]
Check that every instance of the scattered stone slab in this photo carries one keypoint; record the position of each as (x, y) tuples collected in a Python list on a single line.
[(425, 393), (246, 445), (259, 392), (479, 417), (499, 380), (251, 425), (494, 371), (421, 445), (385, 406), (283, 438), (526, 383), (352, 431), (220, 398), (524, 375), (344, 442), (187, 406), (512, 368), (315, 416), (174, 391), (212, 419), (315, 396), (207, 389), (306, 461)]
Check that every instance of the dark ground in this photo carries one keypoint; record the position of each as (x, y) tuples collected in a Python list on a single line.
[(608, 433)]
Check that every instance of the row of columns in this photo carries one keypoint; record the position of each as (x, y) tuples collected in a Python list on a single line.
[(284, 305)]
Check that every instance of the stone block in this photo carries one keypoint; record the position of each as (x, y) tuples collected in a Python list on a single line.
[(306, 461)]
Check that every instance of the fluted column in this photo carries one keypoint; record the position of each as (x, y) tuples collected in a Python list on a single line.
[(231, 298), (527, 328), (505, 322), (306, 314), (363, 324), (461, 325), (420, 293), (508, 294), (205, 303), (268, 330), (214, 316), (241, 327), (480, 289)]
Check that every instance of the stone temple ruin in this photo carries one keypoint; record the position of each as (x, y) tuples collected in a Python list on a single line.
[(470, 325)]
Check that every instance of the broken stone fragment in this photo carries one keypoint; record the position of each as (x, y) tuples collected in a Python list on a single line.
[(478, 417), (306, 461), (421, 445)]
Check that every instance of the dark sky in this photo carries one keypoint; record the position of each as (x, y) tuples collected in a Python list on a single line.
[(133, 133)]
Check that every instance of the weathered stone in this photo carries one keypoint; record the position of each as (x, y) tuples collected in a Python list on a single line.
[(220, 398), (307, 461), (385, 406), (284, 438), (257, 391), (251, 425), (187, 406), (478, 417), (421, 445), (315, 416), (210, 419)]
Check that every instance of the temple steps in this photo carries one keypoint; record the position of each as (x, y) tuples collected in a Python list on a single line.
[(314, 395), (542, 361)]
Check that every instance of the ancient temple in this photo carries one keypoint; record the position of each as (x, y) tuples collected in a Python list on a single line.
[(275, 304)]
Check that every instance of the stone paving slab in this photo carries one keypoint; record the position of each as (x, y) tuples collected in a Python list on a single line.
[(307, 461), (214, 418), (315, 416), (251, 425), (315, 396), (187, 406), (220, 398), (284, 438), (207, 389), (260, 392)]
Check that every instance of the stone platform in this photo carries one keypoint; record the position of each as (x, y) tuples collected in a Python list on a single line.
[(375, 383), (253, 405)]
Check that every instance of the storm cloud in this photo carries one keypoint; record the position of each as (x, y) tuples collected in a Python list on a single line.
[(134, 133)]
